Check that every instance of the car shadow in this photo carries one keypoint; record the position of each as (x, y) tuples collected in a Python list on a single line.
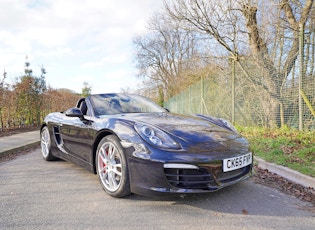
[(247, 198)]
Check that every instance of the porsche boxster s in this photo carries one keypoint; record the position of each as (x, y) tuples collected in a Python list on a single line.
[(136, 146)]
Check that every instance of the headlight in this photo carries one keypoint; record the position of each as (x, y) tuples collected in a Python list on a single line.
[(156, 137)]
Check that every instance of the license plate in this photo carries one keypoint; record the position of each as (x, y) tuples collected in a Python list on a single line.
[(234, 163)]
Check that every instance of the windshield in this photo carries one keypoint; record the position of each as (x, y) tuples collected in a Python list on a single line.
[(108, 104)]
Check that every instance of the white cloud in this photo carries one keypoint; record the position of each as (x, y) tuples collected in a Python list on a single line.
[(57, 52), (106, 61), (49, 37), (75, 40), (13, 43)]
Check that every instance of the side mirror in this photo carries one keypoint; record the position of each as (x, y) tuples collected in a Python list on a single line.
[(74, 112)]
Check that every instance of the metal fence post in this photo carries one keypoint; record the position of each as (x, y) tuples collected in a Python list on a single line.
[(201, 96), (233, 91), (301, 75)]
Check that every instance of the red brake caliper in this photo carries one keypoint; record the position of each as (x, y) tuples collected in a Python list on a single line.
[(103, 163)]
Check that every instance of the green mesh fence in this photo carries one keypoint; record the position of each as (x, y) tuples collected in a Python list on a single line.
[(259, 100)]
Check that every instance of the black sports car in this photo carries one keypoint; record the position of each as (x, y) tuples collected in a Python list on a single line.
[(136, 146)]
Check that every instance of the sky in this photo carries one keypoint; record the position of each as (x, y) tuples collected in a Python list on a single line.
[(76, 41)]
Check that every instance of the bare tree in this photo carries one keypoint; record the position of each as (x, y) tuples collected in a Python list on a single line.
[(241, 31), (166, 54)]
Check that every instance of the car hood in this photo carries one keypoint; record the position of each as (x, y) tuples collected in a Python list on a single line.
[(198, 132)]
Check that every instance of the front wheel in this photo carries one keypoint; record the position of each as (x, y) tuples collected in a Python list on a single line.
[(112, 167), (45, 143)]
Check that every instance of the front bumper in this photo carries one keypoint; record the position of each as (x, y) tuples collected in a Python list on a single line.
[(154, 178)]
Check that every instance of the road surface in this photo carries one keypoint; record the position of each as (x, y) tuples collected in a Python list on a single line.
[(35, 194)]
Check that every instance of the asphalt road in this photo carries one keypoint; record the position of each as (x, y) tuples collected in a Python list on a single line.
[(35, 194)]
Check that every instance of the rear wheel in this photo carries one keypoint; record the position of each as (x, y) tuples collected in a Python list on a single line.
[(112, 167), (45, 143)]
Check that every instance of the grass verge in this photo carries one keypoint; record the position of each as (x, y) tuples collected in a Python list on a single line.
[(286, 147)]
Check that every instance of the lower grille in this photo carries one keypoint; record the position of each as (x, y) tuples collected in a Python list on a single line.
[(188, 178), (202, 178)]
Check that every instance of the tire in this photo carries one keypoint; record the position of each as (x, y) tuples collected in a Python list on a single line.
[(45, 143), (112, 167)]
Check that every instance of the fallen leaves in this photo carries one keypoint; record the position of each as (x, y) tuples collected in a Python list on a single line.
[(263, 176), (245, 212)]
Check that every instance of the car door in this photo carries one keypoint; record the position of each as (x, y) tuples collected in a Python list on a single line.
[(77, 139)]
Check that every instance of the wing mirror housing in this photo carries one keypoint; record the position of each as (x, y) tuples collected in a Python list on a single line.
[(74, 112)]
